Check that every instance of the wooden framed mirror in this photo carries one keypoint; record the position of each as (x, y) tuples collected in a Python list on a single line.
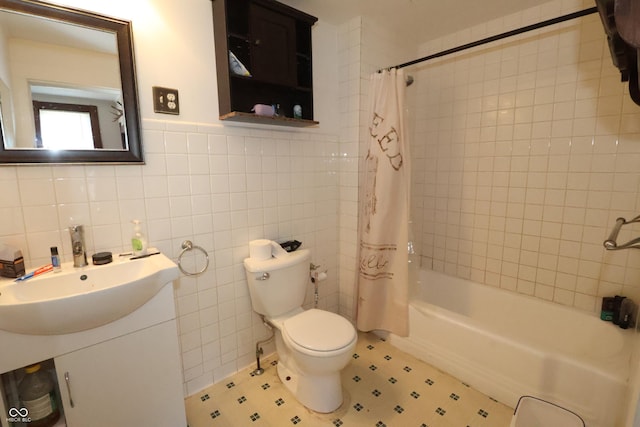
[(67, 86)]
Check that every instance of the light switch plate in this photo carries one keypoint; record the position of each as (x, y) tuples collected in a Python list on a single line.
[(165, 100)]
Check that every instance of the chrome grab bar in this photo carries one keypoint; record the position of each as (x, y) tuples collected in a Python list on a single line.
[(611, 244)]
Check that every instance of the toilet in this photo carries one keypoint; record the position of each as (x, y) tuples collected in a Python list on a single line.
[(313, 345), (534, 412)]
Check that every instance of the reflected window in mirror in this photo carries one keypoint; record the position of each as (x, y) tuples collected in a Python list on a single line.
[(66, 126)]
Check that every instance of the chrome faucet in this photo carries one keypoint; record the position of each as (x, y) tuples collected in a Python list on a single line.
[(77, 246)]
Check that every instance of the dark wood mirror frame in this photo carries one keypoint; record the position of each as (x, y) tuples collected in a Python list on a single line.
[(122, 30)]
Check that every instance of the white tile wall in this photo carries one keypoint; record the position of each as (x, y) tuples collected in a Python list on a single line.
[(525, 152), (219, 186), (349, 53)]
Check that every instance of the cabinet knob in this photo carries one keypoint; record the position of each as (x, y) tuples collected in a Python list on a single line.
[(257, 42)]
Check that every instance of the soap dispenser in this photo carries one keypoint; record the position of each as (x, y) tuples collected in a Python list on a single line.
[(138, 239)]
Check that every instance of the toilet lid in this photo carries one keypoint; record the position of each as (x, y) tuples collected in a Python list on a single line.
[(319, 330)]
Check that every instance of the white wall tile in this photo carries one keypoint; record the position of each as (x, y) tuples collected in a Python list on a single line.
[(550, 155), (190, 188)]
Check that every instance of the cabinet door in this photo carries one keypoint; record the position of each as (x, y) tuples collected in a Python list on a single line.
[(273, 46), (133, 380)]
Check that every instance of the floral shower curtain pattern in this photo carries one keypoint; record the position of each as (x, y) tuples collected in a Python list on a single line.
[(384, 211)]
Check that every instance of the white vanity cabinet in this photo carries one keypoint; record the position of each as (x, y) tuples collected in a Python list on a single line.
[(125, 373), (132, 380)]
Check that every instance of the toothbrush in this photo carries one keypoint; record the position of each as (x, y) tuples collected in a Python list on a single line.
[(44, 269)]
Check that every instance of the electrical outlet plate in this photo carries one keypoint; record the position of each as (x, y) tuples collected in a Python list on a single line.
[(165, 100)]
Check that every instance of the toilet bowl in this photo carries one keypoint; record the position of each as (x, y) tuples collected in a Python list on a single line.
[(313, 345)]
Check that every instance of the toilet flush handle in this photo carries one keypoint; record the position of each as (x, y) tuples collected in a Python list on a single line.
[(264, 276)]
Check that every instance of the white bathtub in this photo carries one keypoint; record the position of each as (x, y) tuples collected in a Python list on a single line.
[(508, 345)]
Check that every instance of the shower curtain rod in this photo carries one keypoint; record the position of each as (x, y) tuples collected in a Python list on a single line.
[(501, 36)]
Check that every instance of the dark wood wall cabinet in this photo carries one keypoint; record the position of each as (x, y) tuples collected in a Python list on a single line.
[(263, 56)]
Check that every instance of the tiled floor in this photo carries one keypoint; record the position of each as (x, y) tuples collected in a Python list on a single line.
[(383, 387)]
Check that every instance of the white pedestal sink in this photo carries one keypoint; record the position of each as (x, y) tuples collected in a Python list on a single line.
[(78, 299)]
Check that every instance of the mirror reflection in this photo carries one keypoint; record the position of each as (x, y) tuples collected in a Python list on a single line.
[(64, 85), (52, 70)]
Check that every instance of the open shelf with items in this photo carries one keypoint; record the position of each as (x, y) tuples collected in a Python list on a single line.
[(272, 41), (18, 413), (237, 116)]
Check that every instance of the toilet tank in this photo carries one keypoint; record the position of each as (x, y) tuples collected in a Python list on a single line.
[(278, 285)]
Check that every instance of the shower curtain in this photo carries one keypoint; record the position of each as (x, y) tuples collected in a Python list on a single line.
[(384, 211)]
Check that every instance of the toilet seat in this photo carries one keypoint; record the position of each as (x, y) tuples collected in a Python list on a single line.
[(318, 332)]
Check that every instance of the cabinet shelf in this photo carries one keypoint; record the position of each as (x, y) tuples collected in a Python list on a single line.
[(273, 41), (237, 116), (275, 85), (239, 36)]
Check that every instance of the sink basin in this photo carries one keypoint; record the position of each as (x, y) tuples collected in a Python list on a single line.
[(77, 299)]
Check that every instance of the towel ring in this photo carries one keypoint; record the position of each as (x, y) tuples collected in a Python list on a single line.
[(187, 245)]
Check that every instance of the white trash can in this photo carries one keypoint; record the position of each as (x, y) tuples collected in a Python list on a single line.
[(534, 412)]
